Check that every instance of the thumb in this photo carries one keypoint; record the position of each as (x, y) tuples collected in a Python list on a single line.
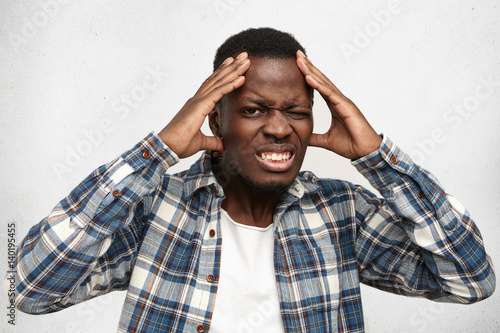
[(213, 143), (317, 140)]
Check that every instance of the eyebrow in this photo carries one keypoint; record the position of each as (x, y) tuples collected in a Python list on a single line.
[(265, 105)]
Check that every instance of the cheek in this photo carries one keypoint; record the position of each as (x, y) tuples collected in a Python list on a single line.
[(243, 131), (304, 130), (239, 142)]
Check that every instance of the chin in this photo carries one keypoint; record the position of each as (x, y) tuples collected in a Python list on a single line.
[(269, 187)]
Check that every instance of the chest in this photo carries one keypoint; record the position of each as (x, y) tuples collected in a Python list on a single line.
[(179, 261)]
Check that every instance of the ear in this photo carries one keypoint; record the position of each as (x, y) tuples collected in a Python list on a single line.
[(214, 120)]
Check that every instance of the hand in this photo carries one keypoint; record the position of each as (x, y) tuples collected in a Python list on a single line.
[(183, 134), (350, 135)]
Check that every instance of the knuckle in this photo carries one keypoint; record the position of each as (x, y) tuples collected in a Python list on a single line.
[(218, 90), (215, 76)]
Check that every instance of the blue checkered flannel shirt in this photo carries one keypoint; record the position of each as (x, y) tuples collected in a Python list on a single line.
[(132, 226)]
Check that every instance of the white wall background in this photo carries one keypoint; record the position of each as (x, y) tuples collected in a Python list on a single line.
[(72, 97)]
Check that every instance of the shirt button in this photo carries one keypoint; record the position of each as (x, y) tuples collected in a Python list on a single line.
[(200, 328), (421, 195), (116, 193), (394, 160), (210, 278), (216, 190), (146, 154), (212, 233)]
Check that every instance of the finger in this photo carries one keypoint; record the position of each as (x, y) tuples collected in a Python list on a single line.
[(223, 78), (226, 72), (230, 82), (307, 68), (237, 71), (302, 63), (208, 101), (224, 64), (220, 90), (317, 80), (212, 143), (326, 91), (227, 62), (321, 78), (310, 69), (317, 140)]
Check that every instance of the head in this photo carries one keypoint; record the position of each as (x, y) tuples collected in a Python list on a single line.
[(261, 43), (266, 123)]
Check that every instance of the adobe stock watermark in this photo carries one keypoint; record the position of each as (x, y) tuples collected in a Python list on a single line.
[(364, 36), (11, 278), (122, 106), (262, 312), (454, 117), (224, 6), (31, 26), (88, 312), (419, 320)]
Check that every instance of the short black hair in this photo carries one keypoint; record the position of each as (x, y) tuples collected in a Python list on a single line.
[(259, 42)]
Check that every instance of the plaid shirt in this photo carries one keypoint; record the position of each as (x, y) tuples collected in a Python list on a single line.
[(131, 226)]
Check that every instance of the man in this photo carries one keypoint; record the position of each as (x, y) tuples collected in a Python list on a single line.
[(243, 240)]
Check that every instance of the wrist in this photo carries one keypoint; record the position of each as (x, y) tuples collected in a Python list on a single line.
[(369, 148)]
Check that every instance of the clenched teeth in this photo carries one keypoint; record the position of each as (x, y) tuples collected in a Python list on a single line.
[(275, 156)]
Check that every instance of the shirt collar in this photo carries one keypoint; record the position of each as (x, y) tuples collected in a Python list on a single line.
[(200, 176)]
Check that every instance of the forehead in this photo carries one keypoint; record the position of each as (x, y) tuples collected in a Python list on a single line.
[(275, 81)]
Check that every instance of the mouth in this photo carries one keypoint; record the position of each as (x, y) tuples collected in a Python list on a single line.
[(275, 156), (276, 160)]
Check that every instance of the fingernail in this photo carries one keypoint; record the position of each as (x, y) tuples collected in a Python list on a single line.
[(227, 61), (241, 55), (243, 62)]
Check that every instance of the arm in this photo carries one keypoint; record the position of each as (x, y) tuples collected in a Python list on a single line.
[(88, 244), (419, 240)]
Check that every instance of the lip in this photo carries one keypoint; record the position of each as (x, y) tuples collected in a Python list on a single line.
[(276, 166)]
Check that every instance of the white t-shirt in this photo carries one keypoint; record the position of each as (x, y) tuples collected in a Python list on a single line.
[(247, 297)]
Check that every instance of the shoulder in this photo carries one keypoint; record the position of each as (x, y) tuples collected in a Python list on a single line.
[(331, 191), (327, 186)]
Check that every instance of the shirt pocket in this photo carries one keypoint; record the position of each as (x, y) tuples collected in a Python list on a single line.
[(316, 283)]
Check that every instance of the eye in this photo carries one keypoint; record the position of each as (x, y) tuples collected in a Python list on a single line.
[(299, 114), (252, 111)]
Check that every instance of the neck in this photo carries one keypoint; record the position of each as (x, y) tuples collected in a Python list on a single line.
[(246, 204)]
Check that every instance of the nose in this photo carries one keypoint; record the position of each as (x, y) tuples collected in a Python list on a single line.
[(277, 125)]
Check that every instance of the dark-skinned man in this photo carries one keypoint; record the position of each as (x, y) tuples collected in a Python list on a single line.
[(244, 241)]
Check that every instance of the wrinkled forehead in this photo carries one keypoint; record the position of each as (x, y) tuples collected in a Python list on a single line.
[(273, 80)]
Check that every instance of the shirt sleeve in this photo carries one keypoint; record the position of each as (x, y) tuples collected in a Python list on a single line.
[(418, 241), (87, 245)]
